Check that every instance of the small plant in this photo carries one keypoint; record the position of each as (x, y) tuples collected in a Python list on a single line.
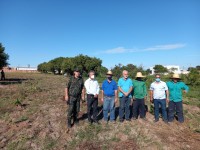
[(18, 102)]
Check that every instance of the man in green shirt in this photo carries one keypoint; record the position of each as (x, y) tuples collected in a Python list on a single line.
[(139, 94), (175, 88)]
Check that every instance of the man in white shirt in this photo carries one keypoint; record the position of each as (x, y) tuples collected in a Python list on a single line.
[(159, 95), (92, 90)]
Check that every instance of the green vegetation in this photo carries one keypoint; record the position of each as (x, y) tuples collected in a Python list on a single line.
[(3, 57)]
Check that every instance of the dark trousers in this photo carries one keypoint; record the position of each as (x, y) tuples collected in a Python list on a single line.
[(92, 107), (74, 107), (162, 103), (178, 108), (138, 108), (124, 106)]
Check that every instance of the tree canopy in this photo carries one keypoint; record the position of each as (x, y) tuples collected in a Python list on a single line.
[(3, 57), (160, 69), (68, 64)]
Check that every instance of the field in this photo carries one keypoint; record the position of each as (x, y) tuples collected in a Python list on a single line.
[(33, 116)]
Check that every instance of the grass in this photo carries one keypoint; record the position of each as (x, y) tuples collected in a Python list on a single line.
[(40, 99)]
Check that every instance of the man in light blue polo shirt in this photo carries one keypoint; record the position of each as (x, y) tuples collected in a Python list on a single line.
[(125, 87), (109, 97), (159, 95)]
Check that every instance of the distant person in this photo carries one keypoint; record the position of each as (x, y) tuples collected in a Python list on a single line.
[(159, 95), (139, 96), (73, 91), (125, 87), (92, 90), (175, 87), (109, 97), (2, 75)]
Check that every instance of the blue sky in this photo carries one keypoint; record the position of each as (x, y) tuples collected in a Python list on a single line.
[(141, 32)]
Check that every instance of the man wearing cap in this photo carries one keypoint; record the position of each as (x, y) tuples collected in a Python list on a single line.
[(109, 97), (73, 91), (159, 95), (175, 87), (139, 95), (92, 90), (125, 87)]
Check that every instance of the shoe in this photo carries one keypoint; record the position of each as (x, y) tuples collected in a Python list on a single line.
[(128, 120), (134, 118), (96, 122), (121, 120), (113, 122), (145, 119), (156, 120), (76, 121), (69, 125)]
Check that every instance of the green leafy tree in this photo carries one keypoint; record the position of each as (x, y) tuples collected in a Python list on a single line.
[(3, 57), (160, 69)]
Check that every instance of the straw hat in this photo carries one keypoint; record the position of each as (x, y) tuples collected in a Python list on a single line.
[(175, 76), (109, 73), (139, 75)]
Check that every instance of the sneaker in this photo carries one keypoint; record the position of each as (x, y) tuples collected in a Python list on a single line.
[(96, 122), (156, 120), (134, 118)]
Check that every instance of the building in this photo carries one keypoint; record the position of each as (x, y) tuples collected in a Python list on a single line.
[(20, 69), (172, 69)]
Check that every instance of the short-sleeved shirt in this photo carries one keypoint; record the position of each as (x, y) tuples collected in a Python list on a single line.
[(125, 85), (159, 89), (175, 90), (75, 86), (109, 88), (139, 89)]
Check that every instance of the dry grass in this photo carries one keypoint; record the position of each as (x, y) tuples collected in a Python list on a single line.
[(33, 116)]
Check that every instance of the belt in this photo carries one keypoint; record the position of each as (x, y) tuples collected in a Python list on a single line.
[(108, 96)]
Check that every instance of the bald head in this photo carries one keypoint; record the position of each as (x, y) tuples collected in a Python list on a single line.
[(125, 74)]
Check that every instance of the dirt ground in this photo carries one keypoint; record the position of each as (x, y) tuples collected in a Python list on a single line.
[(33, 116)]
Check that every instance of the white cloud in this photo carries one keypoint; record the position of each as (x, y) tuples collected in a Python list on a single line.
[(153, 48), (165, 47)]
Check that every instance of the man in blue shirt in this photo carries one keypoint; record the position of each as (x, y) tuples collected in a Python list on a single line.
[(109, 97), (125, 86)]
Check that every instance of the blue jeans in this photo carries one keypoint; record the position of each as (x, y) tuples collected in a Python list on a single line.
[(178, 107), (162, 103), (109, 105), (124, 106)]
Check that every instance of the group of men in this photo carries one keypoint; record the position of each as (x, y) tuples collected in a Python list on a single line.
[(127, 91)]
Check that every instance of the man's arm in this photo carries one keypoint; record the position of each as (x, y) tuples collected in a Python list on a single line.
[(120, 89), (116, 95), (66, 94), (151, 96), (167, 95), (83, 94), (102, 95)]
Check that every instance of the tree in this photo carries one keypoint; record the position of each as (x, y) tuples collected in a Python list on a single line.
[(198, 68), (160, 69), (3, 57)]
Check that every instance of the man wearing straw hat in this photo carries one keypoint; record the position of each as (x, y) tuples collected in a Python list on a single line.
[(125, 87), (175, 87), (109, 97), (139, 95)]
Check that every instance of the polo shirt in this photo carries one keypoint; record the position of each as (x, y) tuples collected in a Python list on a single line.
[(175, 90), (125, 85), (109, 87), (159, 89)]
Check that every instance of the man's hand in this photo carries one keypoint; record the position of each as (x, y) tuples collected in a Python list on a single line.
[(66, 98), (151, 100), (167, 99), (102, 99), (184, 91), (95, 96), (83, 98), (115, 100), (125, 94)]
